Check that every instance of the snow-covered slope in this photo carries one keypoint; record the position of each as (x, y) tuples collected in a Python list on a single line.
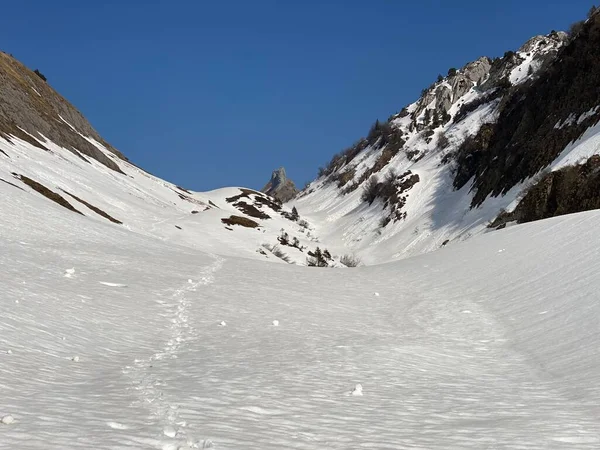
[(112, 339), (149, 206), (445, 167)]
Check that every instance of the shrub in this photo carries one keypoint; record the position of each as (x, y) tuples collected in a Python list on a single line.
[(350, 261), (275, 250), (371, 190), (317, 258), (284, 238), (295, 216), (344, 177)]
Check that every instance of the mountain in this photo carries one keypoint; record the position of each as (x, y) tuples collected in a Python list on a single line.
[(498, 142), (49, 151), (280, 187), (135, 313)]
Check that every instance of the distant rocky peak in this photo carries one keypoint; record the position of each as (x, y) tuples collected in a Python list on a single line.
[(280, 187)]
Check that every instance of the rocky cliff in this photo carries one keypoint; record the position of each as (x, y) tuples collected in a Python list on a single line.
[(472, 149), (280, 187)]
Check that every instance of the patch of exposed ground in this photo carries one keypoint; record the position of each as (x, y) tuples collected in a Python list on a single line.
[(49, 194)]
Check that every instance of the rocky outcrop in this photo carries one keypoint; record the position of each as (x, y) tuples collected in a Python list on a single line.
[(569, 190), (537, 120), (34, 112), (280, 187)]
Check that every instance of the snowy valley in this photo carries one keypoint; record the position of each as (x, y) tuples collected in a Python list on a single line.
[(137, 314)]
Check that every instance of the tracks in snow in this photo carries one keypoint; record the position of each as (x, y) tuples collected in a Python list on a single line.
[(148, 383)]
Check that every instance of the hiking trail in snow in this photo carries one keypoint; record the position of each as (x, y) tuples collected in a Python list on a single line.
[(146, 376)]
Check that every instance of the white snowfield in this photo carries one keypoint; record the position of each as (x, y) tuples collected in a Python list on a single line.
[(489, 344)]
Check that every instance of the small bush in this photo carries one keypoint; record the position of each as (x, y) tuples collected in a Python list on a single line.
[(371, 190), (295, 215), (350, 261), (279, 253), (317, 258), (344, 177)]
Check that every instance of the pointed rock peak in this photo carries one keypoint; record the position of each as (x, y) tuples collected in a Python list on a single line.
[(280, 187), (279, 175)]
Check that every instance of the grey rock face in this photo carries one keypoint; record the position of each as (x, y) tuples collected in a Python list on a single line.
[(454, 87), (31, 110), (280, 187)]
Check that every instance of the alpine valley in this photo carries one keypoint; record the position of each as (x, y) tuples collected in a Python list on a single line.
[(451, 303)]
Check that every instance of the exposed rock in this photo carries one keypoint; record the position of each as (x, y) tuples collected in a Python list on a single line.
[(537, 119), (569, 190), (34, 112), (280, 187), (441, 96)]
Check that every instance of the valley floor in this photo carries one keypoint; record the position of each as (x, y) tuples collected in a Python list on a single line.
[(111, 340)]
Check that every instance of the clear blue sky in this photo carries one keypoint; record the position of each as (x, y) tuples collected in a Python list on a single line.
[(216, 93)]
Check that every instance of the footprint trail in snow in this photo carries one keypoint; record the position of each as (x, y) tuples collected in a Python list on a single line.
[(149, 384)]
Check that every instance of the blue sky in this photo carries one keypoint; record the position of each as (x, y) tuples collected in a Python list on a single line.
[(218, 93)]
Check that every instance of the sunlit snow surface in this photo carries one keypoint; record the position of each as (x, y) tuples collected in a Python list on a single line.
[(491, 344)]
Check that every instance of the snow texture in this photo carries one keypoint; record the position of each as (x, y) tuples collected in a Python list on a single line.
[(492, 343)]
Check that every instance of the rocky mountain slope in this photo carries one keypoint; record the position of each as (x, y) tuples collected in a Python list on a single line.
[(497, 142), (32, 111)]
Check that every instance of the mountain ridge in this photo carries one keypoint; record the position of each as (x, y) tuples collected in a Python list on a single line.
[(440, 142), (418, 182)]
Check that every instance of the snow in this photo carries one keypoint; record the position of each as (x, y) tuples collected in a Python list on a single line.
[(490, 343), (577, 152), (165, 332), (7, 420), (357, 391), (436, 212)]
